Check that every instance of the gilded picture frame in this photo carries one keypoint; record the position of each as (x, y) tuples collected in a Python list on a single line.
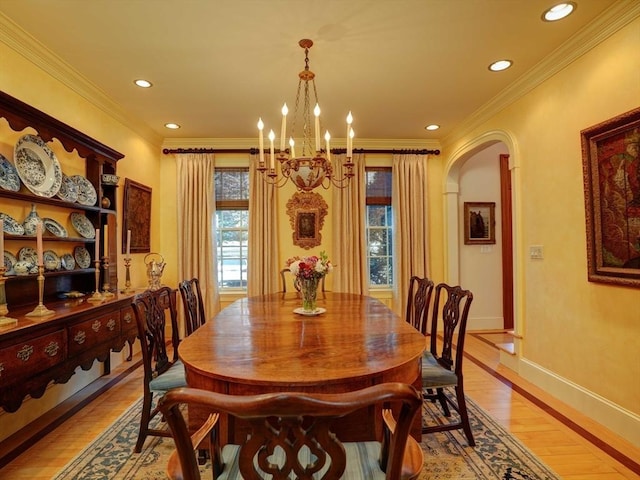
[(479, 223), (136, 216), (611, 175), (306, 214)]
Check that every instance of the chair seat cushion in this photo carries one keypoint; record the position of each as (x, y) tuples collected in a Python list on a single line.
[(434, 375), (362, 462), (172, 378)]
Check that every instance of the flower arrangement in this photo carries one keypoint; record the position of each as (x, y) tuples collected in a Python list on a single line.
[(308, 272)]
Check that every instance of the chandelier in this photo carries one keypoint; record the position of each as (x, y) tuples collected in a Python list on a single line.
[(312, 167)]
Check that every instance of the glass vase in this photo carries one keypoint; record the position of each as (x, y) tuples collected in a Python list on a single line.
[(309, 291)]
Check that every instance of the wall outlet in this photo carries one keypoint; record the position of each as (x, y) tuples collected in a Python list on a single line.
[(536, 252)]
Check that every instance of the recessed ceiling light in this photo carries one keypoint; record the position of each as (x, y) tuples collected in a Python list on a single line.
[(172, 126), (143, 83), (432, 127), (500, 65), (558, 11)]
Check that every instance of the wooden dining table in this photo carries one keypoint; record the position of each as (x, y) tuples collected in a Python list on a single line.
[(259, 345)]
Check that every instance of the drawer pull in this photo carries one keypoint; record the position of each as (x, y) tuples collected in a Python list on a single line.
[(111, 324), (95, 326), (80, 337), (52, 349), (25, 353), (1, 369), (128, 317)]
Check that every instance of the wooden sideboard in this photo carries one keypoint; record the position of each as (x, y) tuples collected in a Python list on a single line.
[(38, 351)]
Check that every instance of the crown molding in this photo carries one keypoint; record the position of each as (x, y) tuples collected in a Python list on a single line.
[(616, 17), (31, 49)]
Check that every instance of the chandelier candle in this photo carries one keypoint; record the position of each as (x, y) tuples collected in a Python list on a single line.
[(261, 141), (283, 130)]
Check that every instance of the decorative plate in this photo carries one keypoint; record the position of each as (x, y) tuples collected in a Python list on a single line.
[(82, 225), (82, 256), (67, 261), (54, 227), (317, 311), (51, 260), (9, 261), (9, 179), (86, 193), (37, 166), (28, 254), (68, 189), (11, 226)]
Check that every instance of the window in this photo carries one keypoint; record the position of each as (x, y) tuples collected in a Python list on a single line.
[(232, 226), (379, 227)]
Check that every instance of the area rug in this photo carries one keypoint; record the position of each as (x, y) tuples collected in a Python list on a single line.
[(497, 454)]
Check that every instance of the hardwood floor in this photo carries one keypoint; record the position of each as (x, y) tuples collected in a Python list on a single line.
[(571, 444)]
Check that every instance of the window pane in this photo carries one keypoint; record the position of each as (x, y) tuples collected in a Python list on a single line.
[(380, 271), (377, 215)]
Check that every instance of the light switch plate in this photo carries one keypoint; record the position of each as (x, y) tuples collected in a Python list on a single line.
[(536, 252)]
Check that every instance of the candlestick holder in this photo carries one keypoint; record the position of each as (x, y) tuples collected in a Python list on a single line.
[(40, 310), (106, 288), (127, 278), (97, 296), (4, 320)]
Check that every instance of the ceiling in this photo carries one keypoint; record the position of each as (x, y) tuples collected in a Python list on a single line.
[(219, 65)]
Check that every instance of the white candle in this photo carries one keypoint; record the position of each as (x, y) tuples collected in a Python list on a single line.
[(2, 235), (39, 243), (261, 141), (283, 132), (349, 121), (128, 244), (96, 256), (350, 152), (327, 137), (272, 137), (292, 145), (316, 112), (106, 241)]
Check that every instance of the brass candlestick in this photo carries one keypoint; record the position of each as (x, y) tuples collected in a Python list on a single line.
[(106, 288), (40, 310), (97, 296), (4, 320), (127, 278)]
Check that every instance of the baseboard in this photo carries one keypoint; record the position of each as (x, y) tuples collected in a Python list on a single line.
[(622, 422)]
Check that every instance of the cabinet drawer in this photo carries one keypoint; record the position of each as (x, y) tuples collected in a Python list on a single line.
[(92, 332), (31, 356), (128, 321)]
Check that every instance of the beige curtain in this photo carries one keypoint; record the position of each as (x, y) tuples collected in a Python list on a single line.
[(349, 239), (411, 231), (196, 210), (262, 266)]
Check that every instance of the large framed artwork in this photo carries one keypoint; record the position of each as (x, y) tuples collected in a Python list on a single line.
[(479, 223), (611, 170), (306, 214), (136, 216)]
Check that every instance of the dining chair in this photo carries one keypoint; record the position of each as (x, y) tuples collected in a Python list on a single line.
[(192, 302), (418, 303), (290, 435), (440, 368), (161, 373), (283, 278)]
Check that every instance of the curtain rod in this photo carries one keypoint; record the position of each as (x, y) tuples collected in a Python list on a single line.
[(254, 151)]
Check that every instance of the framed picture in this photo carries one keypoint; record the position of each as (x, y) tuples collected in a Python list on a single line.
[(306, 214), (479, 223), (611, 169), (136, 216)]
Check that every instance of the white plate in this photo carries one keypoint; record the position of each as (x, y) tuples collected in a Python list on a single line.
[(82, 256), (86, 193), (51, 260), (67, 261), (317, 311), (9, 179), (54, 227), (37, 166), (9, 261), (28, 254), (10, 225), (68, 189), (82, 225)]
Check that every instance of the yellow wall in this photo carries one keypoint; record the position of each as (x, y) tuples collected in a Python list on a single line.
[(580, 338)]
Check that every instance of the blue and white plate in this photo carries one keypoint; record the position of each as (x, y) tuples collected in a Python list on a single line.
[(37, 166), (83, 225), (54, 227), (11, 226), (87, 194), (9, 179), (68, 190), (9, 261)]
